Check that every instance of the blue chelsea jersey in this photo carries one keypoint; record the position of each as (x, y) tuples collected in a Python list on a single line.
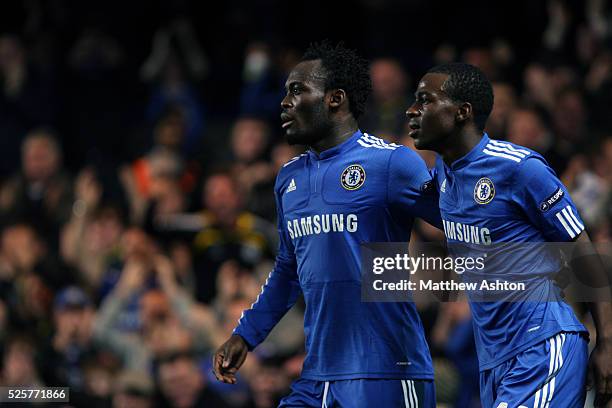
[(503, 193), (363, 190)]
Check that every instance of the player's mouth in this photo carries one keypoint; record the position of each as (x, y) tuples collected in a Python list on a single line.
[(414, 129), (286, 120)]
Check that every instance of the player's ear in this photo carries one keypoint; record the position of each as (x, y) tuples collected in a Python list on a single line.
[(464, 112), (336, 98)]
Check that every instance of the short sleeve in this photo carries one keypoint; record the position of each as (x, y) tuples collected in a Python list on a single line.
[(411, 188), (546, 201)]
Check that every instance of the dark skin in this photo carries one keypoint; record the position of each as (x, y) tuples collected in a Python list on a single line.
[(447, 127), (440, 124), (311, 116)]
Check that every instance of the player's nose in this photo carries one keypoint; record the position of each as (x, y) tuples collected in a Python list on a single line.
[(412, 112), (286, 103)]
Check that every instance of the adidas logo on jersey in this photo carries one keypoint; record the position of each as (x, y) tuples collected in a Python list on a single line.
[(443, 186), (291, 187)]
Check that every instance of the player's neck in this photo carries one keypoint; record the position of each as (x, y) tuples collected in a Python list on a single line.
[(464, 143), (340, 133)]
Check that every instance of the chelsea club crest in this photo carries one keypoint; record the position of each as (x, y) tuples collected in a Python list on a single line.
[(353, 177), (484, 191)]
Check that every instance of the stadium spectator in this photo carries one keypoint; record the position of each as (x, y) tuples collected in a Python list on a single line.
[(263, 74), (385, 114), (28, 99), (71, 342), (482, 58), (227, 232), (134, 245), (175, 65), (151, 179), (182, 384), (505, 103), (42, 191), (539, 90), (28, 276), (590, 191), (525, 127), (569, 120), (133, 389), (250, 168), (127, 345), (269, 385), (19, 365), (167, 315), (90, 238), (98, 374)]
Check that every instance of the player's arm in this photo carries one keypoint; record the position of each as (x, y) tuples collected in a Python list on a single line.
[(278, 295), (548, 205), (411, 191), (592, 271)]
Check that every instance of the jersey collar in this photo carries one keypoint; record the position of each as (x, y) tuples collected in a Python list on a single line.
[(472, 154), (336, 149)]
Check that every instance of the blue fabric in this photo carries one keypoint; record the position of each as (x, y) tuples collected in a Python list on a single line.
[(503, 193), (361, 393), (327, 206), (550, 373)]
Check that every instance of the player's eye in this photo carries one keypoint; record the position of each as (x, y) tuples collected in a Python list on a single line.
[(294, 89)]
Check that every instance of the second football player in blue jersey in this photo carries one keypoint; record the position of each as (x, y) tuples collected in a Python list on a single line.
[(348, 188), (531, 354)]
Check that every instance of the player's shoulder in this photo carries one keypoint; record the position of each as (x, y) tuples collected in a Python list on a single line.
[(374, 145), (378, 149), (507, 152), (514, 160), (293, 164), (510, 156), (288, 170)]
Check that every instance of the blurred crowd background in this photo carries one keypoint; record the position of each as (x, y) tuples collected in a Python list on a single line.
[(139, 142)]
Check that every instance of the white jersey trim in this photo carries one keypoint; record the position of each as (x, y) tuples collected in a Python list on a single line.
[(505, 150), (570, 222), (263, 288), (505, 156), (375, 142), (414, 394), (544, 394), (294, 159), (509, 147), (325, 391)]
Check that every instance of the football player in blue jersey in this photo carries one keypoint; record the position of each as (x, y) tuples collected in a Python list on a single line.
[(531, 354), (348, 188)]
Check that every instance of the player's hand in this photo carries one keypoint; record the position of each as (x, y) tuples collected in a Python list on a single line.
[(165, 272), (600, 364), (229, 358), (133, 275)]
